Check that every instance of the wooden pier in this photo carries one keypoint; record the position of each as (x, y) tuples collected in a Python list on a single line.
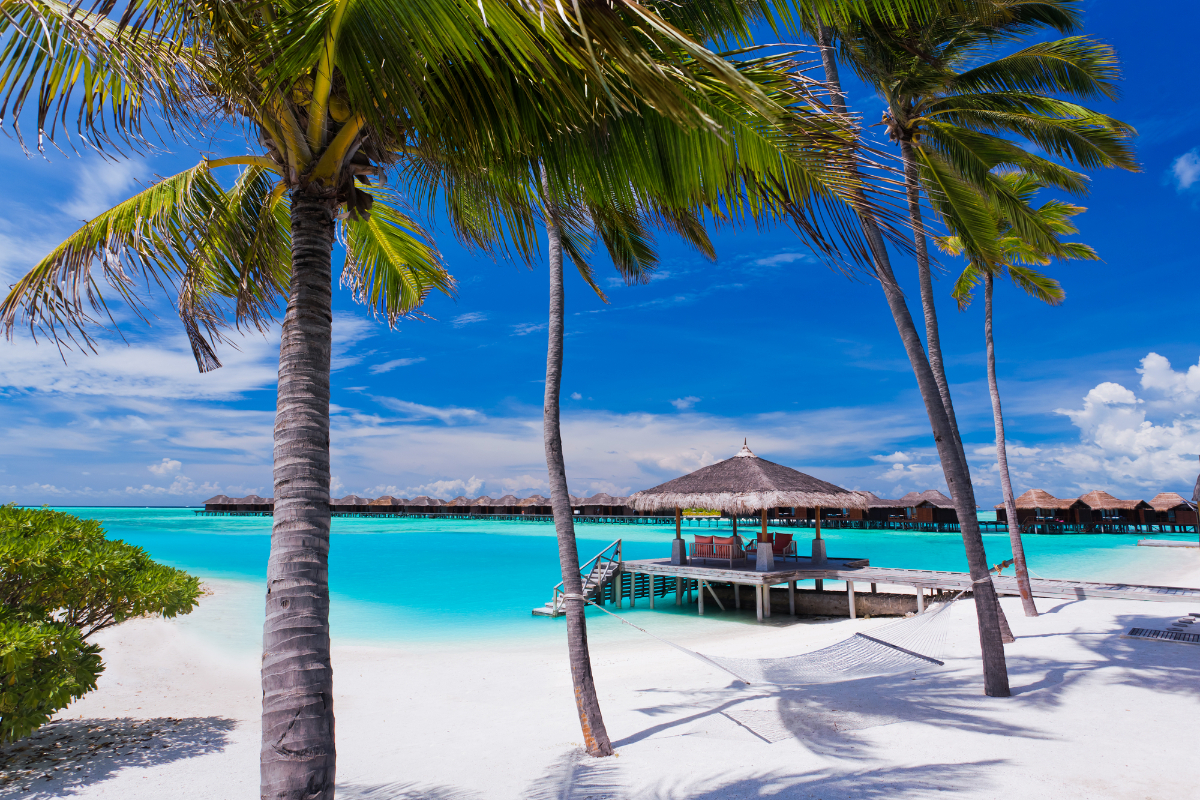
[(607, 579)]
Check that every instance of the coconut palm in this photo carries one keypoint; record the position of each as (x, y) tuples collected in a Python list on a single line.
[(1017, 257), (620, 178), (956, 116), (333, 95)]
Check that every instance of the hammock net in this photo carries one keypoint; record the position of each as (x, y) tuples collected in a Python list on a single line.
[(895, 648)]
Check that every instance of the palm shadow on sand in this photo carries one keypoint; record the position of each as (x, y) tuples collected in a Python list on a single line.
[(66, 755)]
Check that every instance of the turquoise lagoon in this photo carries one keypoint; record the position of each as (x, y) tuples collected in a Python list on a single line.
[(395, 580)]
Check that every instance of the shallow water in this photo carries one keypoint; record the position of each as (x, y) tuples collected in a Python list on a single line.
[(397, 580)]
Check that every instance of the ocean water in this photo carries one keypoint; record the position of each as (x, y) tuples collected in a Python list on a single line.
[(396, 580)]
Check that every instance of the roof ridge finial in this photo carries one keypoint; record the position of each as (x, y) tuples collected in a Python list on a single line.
[(745, 452)]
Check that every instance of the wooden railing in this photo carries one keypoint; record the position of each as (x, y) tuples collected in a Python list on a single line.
[(592, 574)]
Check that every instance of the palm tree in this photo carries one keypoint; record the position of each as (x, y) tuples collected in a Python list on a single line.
[(1017, 258), (617, 179), (334, 96), (954, 466)]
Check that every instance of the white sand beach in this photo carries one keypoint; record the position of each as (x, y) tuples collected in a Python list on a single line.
[(1092, 716)]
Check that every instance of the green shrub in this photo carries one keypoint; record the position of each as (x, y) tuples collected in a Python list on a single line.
[(61, 581)]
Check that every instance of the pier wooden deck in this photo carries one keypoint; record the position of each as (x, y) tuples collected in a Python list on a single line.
[(651, 578)]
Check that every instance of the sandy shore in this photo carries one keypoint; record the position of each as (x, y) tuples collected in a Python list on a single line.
[(1092, 716)]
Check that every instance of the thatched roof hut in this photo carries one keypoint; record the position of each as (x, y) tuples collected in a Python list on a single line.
[(460, 503), (350, 500), (931, 496), (218, 500), (388, 500), (1098, 500), (1038, 498), (743, 484), (1166, 501), (535, 500), (509, 501)]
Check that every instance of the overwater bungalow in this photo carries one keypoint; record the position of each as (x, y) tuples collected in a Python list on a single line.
[(885, 510), (1171, 509), (507, 505), (483, 506), (219, 503), (929, 506), (387, 505), (254, 503), (1039, 507), (1103, 512), (604, 505), (536, 506), (424, 505), (349, 504), (458, 506)]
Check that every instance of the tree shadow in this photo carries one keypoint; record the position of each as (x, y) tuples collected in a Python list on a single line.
[(66, 755), (578, 776), (403, 790), (866, 784)]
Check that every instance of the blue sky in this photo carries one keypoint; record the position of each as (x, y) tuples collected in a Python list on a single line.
[(1102, 392)]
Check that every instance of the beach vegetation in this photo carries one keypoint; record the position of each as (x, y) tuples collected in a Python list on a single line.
[(62, 581)]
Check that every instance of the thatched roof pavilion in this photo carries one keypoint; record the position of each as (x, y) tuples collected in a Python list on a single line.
[(388, 500), (508, 503), (1039, 498), (742, 485), (930, 496), (1098, 500), (745, 484), (1165, 501), (535, 500)]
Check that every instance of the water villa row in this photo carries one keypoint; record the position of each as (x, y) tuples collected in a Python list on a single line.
[(1039, 511), (930, 510)]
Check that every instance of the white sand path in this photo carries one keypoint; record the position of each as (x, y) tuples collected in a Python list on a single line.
[(1092, 716)]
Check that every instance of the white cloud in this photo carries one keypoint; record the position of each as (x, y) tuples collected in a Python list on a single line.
[(576, 396), (348, 331), (336, 487), (165, 467), (416, 411), (684, 403), (446, 489), (526, 328), (469, 318), (388, 366), (898, 458), (1186, 169), (101, 185), (780, 258)]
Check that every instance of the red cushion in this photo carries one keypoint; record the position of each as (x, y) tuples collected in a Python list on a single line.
[(783, 539), (704, 540), (722, 540)]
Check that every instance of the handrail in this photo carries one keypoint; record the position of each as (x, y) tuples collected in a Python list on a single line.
[(586, 569)]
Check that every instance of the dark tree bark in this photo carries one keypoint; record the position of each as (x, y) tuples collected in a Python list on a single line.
[(1010, 504), (595, 736), (298, 758), (954, 467)]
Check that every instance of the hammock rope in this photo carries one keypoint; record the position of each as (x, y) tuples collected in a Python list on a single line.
[(898, 647)]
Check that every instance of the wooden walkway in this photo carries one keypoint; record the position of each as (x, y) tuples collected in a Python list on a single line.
[(852, 571)]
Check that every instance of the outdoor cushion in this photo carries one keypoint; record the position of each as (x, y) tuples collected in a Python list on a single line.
[(704, 540), (722, 540)]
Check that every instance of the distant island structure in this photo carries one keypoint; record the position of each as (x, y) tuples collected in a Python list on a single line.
[(1037, 512)]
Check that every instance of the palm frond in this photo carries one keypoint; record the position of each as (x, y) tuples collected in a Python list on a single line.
[(390, 265), (1036, 284), (1075, 66)]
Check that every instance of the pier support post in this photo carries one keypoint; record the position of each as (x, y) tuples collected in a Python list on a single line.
[(758, 601), (850, 597), (737, 596), (652, 587), (679, 591), (766, 593), (819, 585), (619, 589), (700, 589), (920, 599), (678, 546), (632, 589), (792, 598), (874, 590)]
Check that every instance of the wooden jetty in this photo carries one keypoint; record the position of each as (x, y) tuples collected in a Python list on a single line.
[(608, 578)]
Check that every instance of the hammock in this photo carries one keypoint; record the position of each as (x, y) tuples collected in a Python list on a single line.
[(895, 648)]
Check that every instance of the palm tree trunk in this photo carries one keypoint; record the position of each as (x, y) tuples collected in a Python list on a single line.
[(933, 341), (1010, 504), (595, 736), (297, 758), (954, 467)]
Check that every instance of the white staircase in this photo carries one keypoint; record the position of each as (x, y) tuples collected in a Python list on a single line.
[(596, 574)]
